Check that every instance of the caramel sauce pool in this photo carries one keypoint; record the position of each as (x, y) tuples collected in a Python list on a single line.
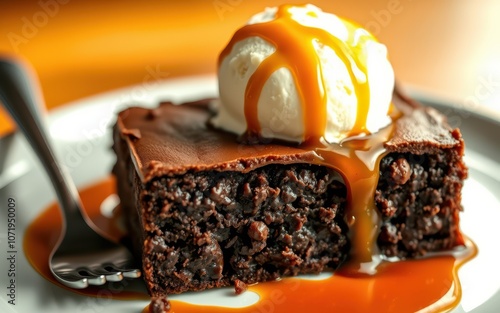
[(406, 286)]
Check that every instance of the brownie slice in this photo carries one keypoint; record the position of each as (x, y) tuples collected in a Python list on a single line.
[(419, 190), (213, 211), (206, 211)]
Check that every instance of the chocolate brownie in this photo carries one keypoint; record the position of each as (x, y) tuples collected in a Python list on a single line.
[(206, 210)]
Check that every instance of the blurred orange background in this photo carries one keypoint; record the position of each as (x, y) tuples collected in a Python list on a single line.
[(80, 48)]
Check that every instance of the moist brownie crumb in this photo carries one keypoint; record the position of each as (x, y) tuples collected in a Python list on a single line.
[(208, 229), (418, 197), (239, 287), (159, 305)]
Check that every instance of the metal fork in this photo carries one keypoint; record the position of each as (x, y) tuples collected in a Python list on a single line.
[(81, 257)]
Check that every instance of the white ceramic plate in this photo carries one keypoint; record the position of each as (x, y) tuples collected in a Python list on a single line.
[(81, 135)]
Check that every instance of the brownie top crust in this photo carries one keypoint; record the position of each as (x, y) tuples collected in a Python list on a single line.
[(174, 139)]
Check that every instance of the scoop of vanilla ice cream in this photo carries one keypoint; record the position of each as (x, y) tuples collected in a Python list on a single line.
[(279, 106)]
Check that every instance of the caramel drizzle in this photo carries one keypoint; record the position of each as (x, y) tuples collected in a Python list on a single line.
[(295, 50), (356, 159)]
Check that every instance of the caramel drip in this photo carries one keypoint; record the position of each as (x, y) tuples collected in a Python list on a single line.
[(295, 50), (356, 159)]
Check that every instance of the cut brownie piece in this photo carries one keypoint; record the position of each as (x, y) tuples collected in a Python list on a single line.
[(419, 191), (207, 229), (206, 211), (202, 217)]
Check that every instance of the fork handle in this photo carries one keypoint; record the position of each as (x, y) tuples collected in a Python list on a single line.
[(21, 95)]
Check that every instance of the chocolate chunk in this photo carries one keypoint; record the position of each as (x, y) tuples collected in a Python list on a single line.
[(258, 231), (239, 287)]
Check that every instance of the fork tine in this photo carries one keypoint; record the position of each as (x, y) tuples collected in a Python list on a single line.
[(109, 275), (93, 277), (73, 280), (135, 273), (126, 271), (118, 276), (97, 281)]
